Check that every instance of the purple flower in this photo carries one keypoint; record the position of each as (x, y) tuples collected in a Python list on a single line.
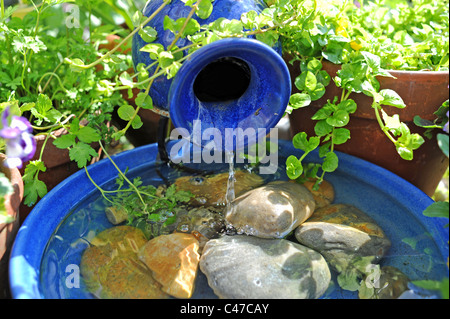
[(446, 125), (357, 4), (20, 144)]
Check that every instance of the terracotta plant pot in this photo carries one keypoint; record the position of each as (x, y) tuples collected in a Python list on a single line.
[(422, 92), (8, 231)]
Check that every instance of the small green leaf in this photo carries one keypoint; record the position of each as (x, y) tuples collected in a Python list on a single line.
[(323, 113), (76, 65), (204, 9), (88, 135), (32, 168), (349, 280), (322, 128), (169, 24), (314, 65), (306, 81), (136, 123), (300, 141), (404, 152), (391, 122), (373, 61), (165, 59), (148, 34), (137, 18), (33, 190), (144, 101), (437, 209), (340, 136), (424, 123), (339, 118), (391, 98), (269, 38), (81, 153), (64, 141), (317, 92), (126, 112), (323, 77), (125, 79), (172, 70), (191, 28), (299, 100), (348, 105), (294, 167), (27, 107), (330, 163), (153, 49), (43, 104)]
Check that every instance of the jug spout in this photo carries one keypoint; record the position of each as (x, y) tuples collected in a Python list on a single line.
[(231, 92), (234, 86)]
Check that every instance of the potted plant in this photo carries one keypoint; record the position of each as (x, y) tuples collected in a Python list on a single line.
[(11, 196), (68, 113), (360, 66), (16, 141)]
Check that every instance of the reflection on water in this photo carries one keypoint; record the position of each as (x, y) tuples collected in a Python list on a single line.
[(413, 251)]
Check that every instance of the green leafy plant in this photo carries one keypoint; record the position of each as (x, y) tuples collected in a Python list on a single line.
[(366, 38), (43, 89)]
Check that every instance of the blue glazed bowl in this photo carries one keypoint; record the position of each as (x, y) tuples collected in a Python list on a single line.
[(252, 78), (48, 246)]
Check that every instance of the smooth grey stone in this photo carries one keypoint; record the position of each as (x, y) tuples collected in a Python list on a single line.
[(272, 210), (249, 267), (345, 236)]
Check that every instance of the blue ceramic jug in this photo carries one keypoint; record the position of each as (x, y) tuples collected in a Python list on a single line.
[(228, 87)]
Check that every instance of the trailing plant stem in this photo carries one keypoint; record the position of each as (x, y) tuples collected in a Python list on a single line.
[(98, 187), (123, 175), (376, 107)]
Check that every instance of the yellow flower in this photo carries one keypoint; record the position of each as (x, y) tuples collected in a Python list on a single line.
[(355, 45), (341, 29)]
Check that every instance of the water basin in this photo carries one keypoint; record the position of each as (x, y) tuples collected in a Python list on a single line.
[(48, 248)]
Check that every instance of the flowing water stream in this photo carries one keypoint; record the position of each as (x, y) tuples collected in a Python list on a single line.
[(231, 180)]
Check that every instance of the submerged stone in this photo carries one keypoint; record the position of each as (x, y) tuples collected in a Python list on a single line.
[(110, 267), (344, 235), (173, 260), (324, 196), (272, 210), (204, 223), (116, 215), (249, 267), (211, 190)]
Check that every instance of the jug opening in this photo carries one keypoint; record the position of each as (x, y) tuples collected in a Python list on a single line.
[(222, 80)]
